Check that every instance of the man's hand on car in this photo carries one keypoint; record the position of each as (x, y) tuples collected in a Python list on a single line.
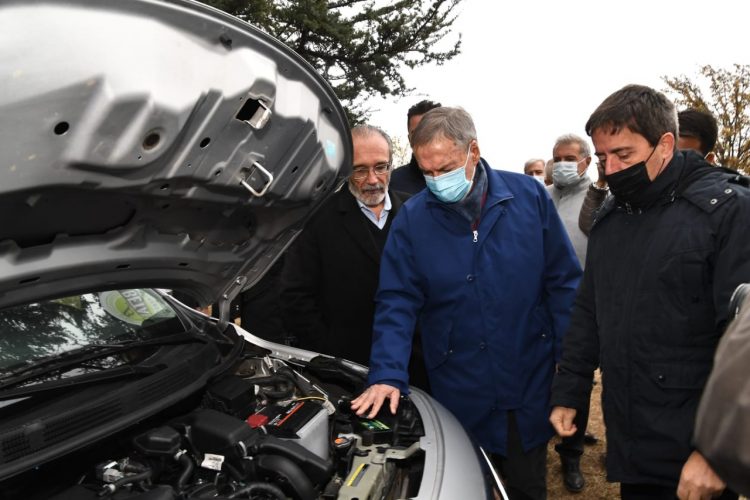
[(561, 419), (374, 396)]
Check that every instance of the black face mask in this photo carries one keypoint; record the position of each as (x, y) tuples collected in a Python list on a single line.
[(631, 184)]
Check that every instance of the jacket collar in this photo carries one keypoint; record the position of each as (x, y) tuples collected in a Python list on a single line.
[(497, 189), (682, 170), (354, 221)]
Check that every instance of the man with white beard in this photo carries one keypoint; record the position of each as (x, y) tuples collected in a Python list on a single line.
[(331, 272)]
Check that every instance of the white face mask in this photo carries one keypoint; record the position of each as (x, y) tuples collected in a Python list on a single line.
[(540, 178), (565, 173)]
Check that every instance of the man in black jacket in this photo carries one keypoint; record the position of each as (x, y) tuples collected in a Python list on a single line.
[(330, 273), (408, 178), (664, 256)]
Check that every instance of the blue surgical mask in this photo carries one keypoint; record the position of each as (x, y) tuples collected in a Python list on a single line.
[(452, 186), (565, 173)]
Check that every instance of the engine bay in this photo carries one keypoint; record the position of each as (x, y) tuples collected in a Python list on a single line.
[(268, 429)]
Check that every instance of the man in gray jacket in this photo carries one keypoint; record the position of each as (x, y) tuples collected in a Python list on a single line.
[(571, 157)]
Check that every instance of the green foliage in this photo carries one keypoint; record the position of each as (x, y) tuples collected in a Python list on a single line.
[(728, 99), (359, 46)]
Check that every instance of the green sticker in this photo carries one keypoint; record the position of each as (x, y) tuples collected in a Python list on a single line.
[(131, 306)]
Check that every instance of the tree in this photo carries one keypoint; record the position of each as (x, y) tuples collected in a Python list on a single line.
[(359, 46), (728, 99), (401, 152)]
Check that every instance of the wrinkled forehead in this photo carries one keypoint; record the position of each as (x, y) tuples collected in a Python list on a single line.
[(567, 148), (370, 149), (371, 141), (442, 142)]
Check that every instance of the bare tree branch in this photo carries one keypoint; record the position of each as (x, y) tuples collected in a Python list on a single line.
[(728, 99)]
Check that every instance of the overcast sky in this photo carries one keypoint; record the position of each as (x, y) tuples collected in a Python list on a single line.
[(530, 70)]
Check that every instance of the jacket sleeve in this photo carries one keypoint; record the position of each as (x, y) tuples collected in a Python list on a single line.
[(571, 386), (591, 203), (398, 302), (300, 283), (724, 407), (732, 260), (562, 272)]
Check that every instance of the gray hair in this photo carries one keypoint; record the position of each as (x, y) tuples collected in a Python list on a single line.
[(530, 163), (573, 139), (454, 124), (363, 131)]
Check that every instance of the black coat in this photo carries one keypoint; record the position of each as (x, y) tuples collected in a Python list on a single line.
[(408, 178), (330, 277), (650, 311)]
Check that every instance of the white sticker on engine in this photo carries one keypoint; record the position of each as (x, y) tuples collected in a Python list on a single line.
[(211, 461)]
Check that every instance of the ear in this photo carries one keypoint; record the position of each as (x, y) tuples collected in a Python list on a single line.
[(667, 142), (711, 158), (586, 162), (474, 152)]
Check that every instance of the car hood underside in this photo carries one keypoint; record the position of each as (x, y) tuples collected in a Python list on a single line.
[(154, 144)]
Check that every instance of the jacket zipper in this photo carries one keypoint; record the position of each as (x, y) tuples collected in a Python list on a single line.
[(475, 224)]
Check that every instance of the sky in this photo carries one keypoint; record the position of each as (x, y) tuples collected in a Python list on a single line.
[(530, 71)]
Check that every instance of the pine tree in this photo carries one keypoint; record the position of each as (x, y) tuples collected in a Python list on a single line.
[(359, 46)]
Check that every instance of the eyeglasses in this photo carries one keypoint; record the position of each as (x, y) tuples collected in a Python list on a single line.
[(360, 173)]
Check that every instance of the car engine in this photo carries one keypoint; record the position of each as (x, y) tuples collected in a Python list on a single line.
[(272, 429)]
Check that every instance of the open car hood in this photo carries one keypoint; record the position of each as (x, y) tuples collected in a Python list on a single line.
[(149, 143)]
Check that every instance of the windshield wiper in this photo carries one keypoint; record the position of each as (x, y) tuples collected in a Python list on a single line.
[(106, 375), (77, 356)]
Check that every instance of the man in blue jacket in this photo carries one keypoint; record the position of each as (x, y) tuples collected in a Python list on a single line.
[(482, 262)]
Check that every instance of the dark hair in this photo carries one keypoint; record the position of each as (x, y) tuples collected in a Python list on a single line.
[(641, 109), (701, 125), (421, 108)]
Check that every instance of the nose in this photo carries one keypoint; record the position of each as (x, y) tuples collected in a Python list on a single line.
[(372, 177), (613, 165)]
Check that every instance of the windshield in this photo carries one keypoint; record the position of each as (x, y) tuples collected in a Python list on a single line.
[(42, 329)]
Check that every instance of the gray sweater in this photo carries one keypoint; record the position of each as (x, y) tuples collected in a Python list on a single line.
[(568, 201)]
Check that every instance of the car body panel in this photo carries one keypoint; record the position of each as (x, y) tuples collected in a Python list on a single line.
[(187, 157)]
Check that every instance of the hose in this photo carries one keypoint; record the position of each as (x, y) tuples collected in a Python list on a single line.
[(286, 385), (265, 488), (135, 478), (187, 471), (282, 374)]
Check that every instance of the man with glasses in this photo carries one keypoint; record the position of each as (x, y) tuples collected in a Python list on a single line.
[(331, 271)]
